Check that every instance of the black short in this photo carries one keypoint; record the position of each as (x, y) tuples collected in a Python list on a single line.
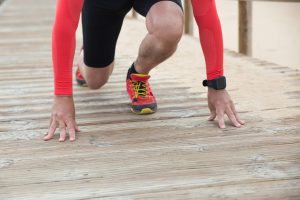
[(102, 21)]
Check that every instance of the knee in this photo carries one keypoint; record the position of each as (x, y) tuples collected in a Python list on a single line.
[(169, 32), (169, 29), (98, 77), (96, 84)]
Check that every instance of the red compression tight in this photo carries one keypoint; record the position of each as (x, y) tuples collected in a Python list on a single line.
[(63, 43), (205, 13)]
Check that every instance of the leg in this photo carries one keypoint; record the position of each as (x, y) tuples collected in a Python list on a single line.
[(102, 21), (94, 77), (164, 22)]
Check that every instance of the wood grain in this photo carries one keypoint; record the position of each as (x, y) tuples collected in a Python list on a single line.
[(173, 154)]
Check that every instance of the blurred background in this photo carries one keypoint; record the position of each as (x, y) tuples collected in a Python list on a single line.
[(275, 30), (275, 34)]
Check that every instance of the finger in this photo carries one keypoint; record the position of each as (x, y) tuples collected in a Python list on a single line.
[(72, 130), (212, 112), (220, 116), (51, 119), (232, 118), (242, 122), (212, 116), (76, 127), (51, 131), (62, 129)]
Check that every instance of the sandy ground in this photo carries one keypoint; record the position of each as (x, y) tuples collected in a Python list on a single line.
[(276, 30)]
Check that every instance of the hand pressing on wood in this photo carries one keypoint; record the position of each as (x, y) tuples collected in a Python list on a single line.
[(220, 103), (63, 117)]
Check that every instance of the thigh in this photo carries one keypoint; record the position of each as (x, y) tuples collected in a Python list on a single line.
[(101, 23), (143, 6)]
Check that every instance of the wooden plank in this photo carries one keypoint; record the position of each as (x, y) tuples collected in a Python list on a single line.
[(189, 18), (245, 27), (134, 14), (173, 154)]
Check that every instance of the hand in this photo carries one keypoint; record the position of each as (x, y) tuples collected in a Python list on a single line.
[(219, 103), (63, 117)]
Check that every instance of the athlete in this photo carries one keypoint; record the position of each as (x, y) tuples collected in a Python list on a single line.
[(103, 18), (102, 21)]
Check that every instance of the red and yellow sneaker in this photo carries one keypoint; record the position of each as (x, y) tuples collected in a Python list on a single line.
[(79, 78), (139, 91)]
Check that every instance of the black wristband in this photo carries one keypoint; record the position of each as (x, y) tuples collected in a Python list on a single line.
[(217, 83)]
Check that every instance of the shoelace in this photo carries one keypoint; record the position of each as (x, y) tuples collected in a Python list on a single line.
[(140, 88)]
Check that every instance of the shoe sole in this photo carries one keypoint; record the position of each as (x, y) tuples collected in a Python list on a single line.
[(144, 111)]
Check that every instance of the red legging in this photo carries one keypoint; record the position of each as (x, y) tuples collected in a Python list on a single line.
[(210, 32)]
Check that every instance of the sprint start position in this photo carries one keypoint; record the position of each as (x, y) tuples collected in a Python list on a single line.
[(102, 21)]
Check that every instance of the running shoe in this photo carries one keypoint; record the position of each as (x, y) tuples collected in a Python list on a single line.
[(140, 93), (79, 78)]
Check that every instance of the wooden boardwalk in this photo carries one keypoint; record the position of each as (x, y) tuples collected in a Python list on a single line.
[(174, 154)]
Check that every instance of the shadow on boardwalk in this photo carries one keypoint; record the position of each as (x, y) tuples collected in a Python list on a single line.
[(173, 154)]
